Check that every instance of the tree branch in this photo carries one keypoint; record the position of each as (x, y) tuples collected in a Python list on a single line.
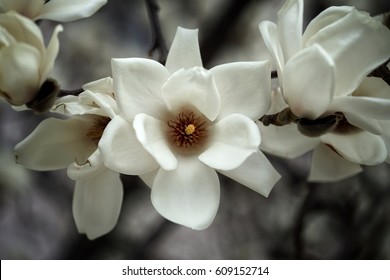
[(158, 38)]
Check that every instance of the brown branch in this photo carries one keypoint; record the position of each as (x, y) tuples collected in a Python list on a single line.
[(158, 38)]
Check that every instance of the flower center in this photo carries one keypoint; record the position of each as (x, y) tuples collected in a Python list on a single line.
[(187, 131), (96, 130)]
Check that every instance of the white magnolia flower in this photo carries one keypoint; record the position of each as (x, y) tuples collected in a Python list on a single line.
[(72, 143), (178, 124), (319, 73), (25, 63), (58, 10)]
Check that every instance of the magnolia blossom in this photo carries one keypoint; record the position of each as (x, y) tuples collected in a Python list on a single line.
[(25, 63), (58, 10), (179, 123), (319, 74), (72, 143)]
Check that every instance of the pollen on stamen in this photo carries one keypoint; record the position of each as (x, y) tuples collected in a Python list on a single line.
[(187, 130)]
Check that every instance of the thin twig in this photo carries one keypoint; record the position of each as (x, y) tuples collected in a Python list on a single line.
[(158, 38)]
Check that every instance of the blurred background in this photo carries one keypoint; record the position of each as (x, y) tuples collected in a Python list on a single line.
[(345, 220)]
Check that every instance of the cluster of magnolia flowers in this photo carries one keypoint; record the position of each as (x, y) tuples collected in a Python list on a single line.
[(177, 125)]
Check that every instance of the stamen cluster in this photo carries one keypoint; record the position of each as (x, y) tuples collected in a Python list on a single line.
[(187, 131)]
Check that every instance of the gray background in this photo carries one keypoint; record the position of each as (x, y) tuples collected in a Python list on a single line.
[(345, 220)]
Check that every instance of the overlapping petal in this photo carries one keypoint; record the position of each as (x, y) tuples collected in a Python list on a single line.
[(121, 150), (151, 134), (357, 44), (369, 107), (137, 90), (188, 195), (256, 172), (269, 32), (97, 201), (328, 166), (56, 143), (51, 54), (23, 30), (193, 86), (19, 69), (361, 147), (309, 82), (327, 17), (290, 19), (285, 141), (69, 10), (235, 138), (184, 51), (244, 88)]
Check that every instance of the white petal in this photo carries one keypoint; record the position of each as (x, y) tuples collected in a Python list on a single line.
[(290, 19), (356, 35), (19, 68), (188, 195), (104, 85), (364, 123), (28, 9), (234, 139), (56, 143), (256, 172), (151, 134), (78, 171), (361, 147), (308, 84), (244, 88), (138, 83), (51, 53), (285, 141), (196, 87), (184, 51), (328, 166), (325, 18), (373, 87), (121, 150), (370, 107), (269, 32), (69, 10), (23, 30), (97, 202)]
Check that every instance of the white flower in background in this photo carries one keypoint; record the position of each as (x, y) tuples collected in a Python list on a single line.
[(318, 73), (178, 124), (58, 10), (72, 143), (25, 63)]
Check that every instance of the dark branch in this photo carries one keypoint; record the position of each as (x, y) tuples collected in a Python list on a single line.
[(382, 72), (158, 38)]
